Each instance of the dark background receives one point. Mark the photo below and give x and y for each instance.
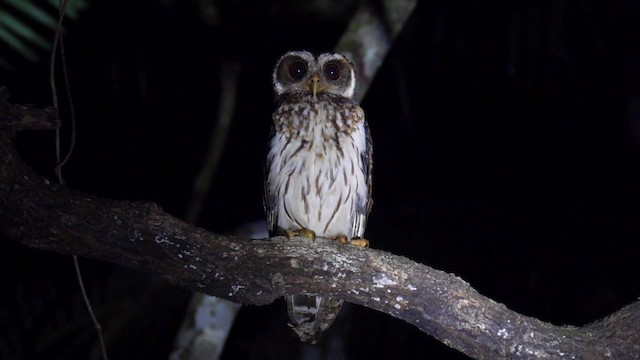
(506, 151)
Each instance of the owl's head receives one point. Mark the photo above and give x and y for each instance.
(300, 71)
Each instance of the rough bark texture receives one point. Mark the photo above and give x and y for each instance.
(141, 236)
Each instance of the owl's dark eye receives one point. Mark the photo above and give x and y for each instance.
(332, 71)
(297, 69)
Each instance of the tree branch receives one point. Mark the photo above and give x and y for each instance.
(48, 216)
(369, 36)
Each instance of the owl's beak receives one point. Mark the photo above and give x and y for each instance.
(314, 84)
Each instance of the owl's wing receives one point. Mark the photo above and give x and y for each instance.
(364, 204)
(268, 199)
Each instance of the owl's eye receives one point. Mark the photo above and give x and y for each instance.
(297, 69)
(332, 71)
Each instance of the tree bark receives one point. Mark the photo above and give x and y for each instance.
(48, 216)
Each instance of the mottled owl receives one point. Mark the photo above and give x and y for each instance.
(318, 170)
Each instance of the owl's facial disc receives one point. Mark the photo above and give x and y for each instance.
(300, 71)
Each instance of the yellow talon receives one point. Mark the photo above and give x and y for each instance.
(309, 234)
(360, 242)
(342, 239)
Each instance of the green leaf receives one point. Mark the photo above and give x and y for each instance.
(31, 10)
(17, 45)
(19, 28)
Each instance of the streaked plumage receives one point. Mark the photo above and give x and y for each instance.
(318, 174)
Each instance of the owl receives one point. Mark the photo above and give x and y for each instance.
(318, 170)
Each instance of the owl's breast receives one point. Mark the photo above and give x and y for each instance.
(323, 116)
(316, 172)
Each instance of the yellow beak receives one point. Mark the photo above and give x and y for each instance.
(314, 84)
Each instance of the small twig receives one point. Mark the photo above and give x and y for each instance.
(72, 116)
(61, 162)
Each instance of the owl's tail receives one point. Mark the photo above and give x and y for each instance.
(311, 315)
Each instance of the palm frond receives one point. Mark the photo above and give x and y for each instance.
(26, 25)
(17, 44)
(31, 10)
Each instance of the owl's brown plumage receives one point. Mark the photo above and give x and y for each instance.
(319, 164)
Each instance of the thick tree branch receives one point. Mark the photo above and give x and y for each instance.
(369, 36)
(141, 236)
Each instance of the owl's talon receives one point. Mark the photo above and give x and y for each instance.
(309, 234)
(342, 239)
(360, 242)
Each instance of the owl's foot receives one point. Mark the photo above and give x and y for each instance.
(360, 242)
(309, 234)
(342, 239)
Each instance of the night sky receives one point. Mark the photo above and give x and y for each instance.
(506, 151)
